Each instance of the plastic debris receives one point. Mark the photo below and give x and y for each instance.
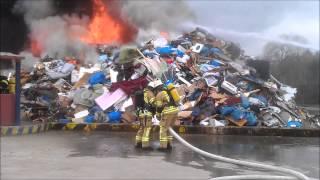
(215, 85)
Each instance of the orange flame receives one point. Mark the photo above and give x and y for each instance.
(165, 34)
(105, 29)
(35, 48)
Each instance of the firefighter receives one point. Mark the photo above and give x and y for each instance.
(167, 112)
(145, 113)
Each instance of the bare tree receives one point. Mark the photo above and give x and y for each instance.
(295, 66)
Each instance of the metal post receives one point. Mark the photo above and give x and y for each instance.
(18, 92)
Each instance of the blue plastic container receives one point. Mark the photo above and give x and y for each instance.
(114, 117)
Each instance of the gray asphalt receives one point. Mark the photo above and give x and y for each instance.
(111, 155)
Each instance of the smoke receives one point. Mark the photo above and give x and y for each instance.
(57, 36)
(152, 16)
(255, 23)
(33, 10)
(254, 42)
(29, 60)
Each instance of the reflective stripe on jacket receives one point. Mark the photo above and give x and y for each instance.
(148, 96)
(162, 99)
(162, 102)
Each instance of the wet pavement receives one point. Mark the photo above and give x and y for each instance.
(110, 155)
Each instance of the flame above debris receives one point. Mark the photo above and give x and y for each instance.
(35, 48)
(165, 35)
(104, 28)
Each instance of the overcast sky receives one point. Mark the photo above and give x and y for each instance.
(252, 23)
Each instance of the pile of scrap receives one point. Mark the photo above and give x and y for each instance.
(218, 84)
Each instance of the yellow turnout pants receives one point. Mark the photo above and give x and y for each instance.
(144, 132)
(167, 119)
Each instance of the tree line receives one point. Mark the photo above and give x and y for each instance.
(297, 67)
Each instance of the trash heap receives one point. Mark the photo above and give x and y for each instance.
(218, 85)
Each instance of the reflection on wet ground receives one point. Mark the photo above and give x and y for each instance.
(59, 152)
(292, 152)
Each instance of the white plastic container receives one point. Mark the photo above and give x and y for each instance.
(229, 87)
(197, 47)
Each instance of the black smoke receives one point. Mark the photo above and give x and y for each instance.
(14, 31)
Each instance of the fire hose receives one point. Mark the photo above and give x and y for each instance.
(294, 174)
